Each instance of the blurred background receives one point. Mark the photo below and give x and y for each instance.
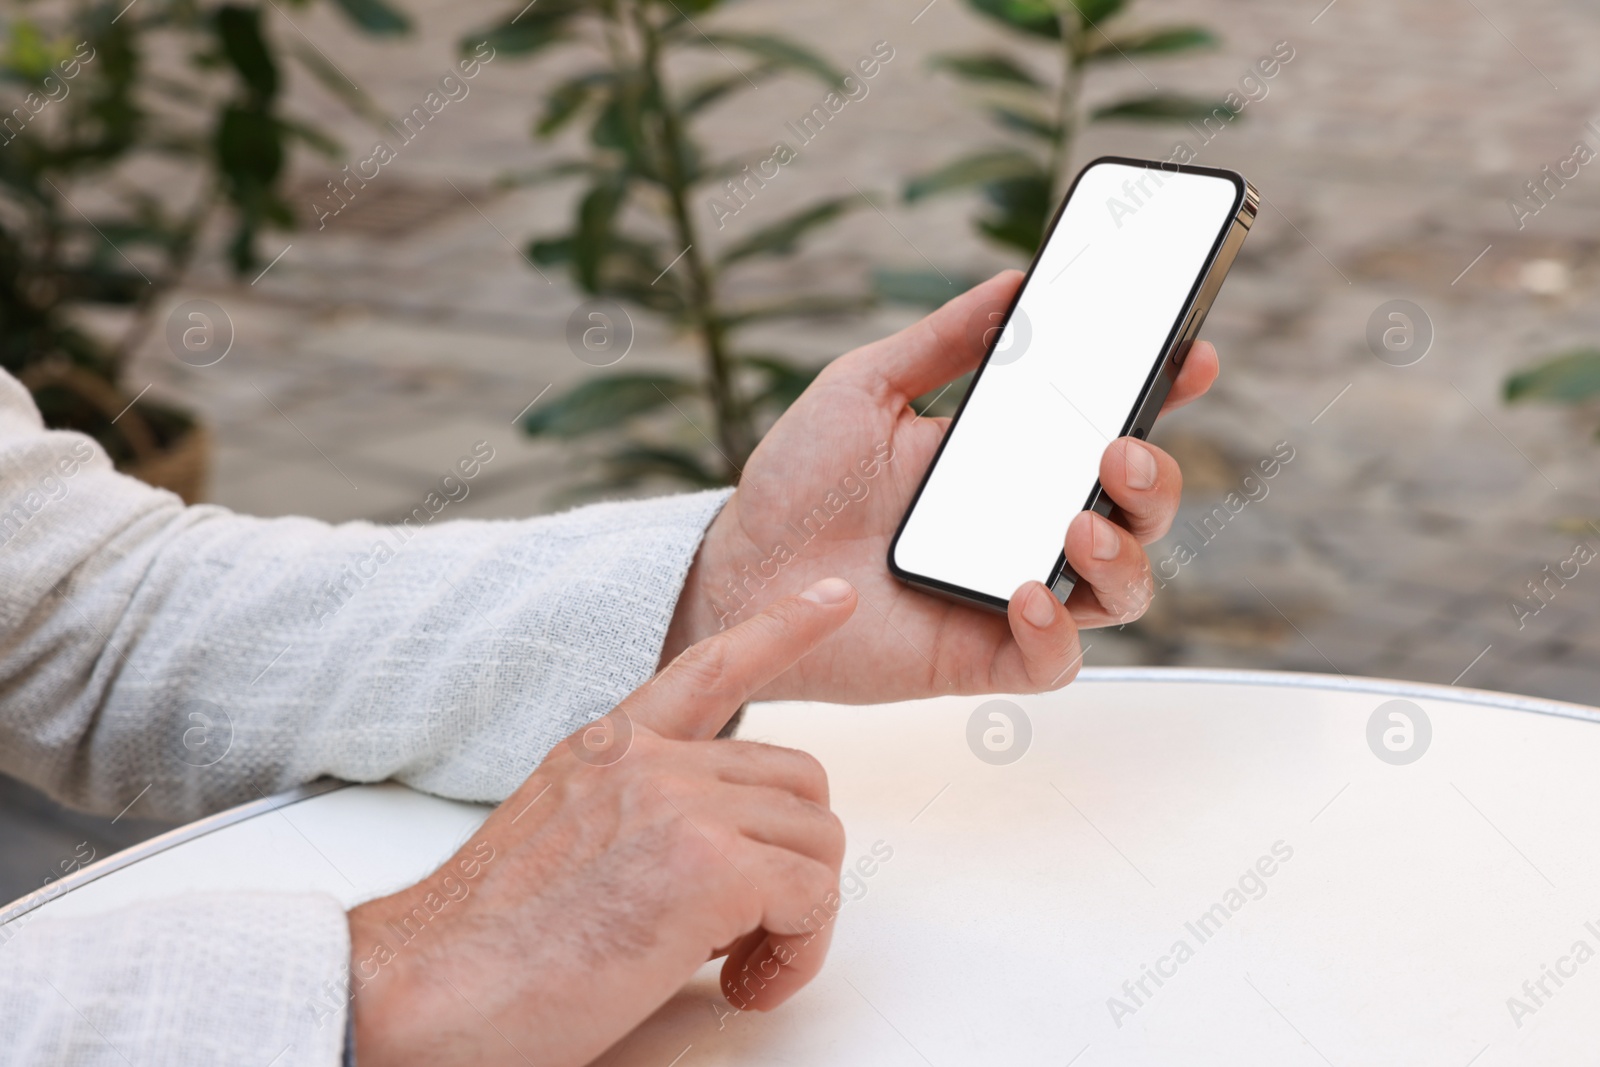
(299, 257)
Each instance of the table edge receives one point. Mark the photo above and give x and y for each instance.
(154, 846)
(1345, 683)
(1166, 675)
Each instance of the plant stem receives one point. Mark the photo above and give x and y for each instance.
(734, 432)
(1066, 100)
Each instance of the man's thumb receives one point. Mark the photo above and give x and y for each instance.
(948, 342)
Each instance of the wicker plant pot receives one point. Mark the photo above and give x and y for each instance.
(182, 466)
(177, 461)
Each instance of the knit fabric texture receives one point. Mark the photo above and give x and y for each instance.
(206, 979)
(195, 659)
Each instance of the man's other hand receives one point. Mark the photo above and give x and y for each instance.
(638, 850)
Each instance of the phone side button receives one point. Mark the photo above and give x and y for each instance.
(1186, 337)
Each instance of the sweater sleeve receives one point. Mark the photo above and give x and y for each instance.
(228, 978)
(195, 659)
(191, 659)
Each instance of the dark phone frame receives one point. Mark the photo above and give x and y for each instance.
(1164, 370)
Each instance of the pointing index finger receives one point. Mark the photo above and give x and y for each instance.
(697, 693)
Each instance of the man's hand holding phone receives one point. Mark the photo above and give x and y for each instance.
(771, 541)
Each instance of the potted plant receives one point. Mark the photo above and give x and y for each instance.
(86, 220)
(1042, 114)
(643, 236)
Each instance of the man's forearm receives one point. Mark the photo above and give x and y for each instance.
(201, 658)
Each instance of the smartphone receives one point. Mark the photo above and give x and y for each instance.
(1085, 354)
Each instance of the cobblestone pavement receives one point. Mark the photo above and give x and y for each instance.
(1417, 505)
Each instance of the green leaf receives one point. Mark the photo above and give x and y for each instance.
(783, 237)
(628, 271)
(782, 392)
(566, 168)
(315, 138)
(986, 67)
(801, 307)
(551, 251)
(776, 51)
(614, 128)
(785, 380)
(634, 274)
(596, 214)
(249, 149)
(175, 89)
(977, 169)
(920, 288)
(634, 463)
(1570, 378)
(1021, 210)
(567, 99)
(604, 403)
(1026, 122)
(706, 93)
(1164, 107)
(334, 80)
(1094, 12)
(532, 29)
(28, 56)
(943, 402)
(375, 17)
(239, 33)
(1035, 17)
(1151, 42)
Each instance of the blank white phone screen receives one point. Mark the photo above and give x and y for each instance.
(1065, 375)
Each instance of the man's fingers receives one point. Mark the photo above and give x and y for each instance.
(1045, 652)
(779, 818)
(698, 692)
(944, 345)
(1114, 582)
(754, 763)
(1145, 483)
(1199, 371)
(764, 969)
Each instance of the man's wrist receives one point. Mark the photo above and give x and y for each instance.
(696, 617)
(384, 1002)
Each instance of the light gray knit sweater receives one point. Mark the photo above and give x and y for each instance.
(450, 656)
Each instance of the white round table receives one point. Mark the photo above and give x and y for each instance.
(1182, 866)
